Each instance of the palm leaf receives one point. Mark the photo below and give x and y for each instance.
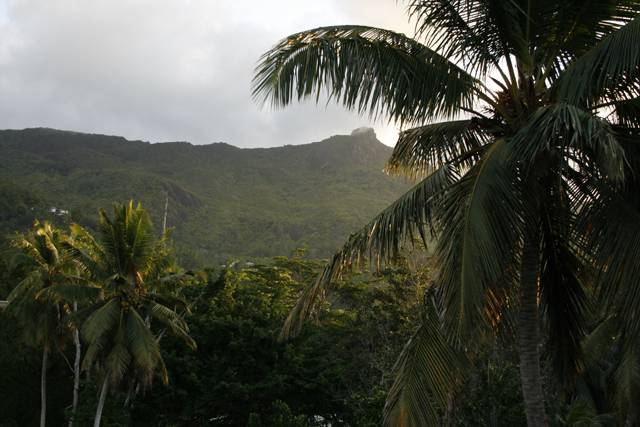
(142, 344)
(20, 258)
(565, 128)
(480, 241)
(478, 33)
(71, 292)
(428, 368)
(380, 239)
(612, 63)
(627, 377)
(370, 70)
(101, 320)
(610, 224)
(423, 149)
(565, 302)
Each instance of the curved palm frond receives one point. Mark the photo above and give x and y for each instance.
(568, 128)
(175, 324)
(423, 149)
(143, 346)
(627, 378)
(429, 367)
(478, 33)
(20, 258)
(612, 63)
(600, 340)
(627, 112)
(83, 294)
(610, 224)
(380, 239)
(101, 320)
(566, 295)
(371, 70)
(480, 242)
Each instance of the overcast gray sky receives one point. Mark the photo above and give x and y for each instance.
(168, 70)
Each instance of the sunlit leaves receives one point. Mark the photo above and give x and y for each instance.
(372, 71)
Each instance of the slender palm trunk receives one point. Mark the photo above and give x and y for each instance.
(43, 387)
(528, 331)
(103, 397)
(76, 371)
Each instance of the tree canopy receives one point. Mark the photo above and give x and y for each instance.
(521, 132)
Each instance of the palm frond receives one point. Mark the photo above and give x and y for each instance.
(25, 285)
(611, 225)
(627, 377)
(566, 128)
(478, 33)
(373, 71)
(380, 239)
(612, 63)
(429, 369)
(478, 249)
(175, 324)
(19, 258)
(71, 292)
(566, 294)
(142, 343)
(101, 320)
(600, 340)
(627, 112)
(423, 149)
(86, 263)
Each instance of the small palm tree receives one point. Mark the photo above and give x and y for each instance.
(524, 192)
(130, 270)
(42, 253)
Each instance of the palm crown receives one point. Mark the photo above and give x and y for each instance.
(521, 192)
(130, 269)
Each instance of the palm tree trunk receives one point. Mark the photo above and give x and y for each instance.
(103, 397)
(76, 371)
(43, 387)
(528, 330)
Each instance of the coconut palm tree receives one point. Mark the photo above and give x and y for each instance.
(43, 254)
(521, 132)
(130, 269)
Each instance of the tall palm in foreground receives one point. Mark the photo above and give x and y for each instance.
(43, 255)
(131, 272)
(522, 136)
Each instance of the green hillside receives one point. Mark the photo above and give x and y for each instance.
(224, 201)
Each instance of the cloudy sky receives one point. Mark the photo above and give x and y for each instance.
(168, 70)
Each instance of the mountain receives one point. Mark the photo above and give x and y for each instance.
(223, 201)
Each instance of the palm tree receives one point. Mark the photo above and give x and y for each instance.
(522, 122)
(131, 272)
(43, 254)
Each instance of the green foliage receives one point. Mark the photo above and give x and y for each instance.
(224, 202)
(239, 367)
(278, 416)
(113, 414)
(20, 379)
(492, 393)
(20, 205)
(534, 195)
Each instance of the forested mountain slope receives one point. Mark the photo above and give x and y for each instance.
(224, 201)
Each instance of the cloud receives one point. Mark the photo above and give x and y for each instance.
(165, 70)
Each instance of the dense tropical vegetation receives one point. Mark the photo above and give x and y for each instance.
(336, 372)
(522, 133)
(225, 201)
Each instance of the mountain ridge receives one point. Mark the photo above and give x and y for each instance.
(224, 201)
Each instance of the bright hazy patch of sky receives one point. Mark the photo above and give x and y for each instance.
(168, 70)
